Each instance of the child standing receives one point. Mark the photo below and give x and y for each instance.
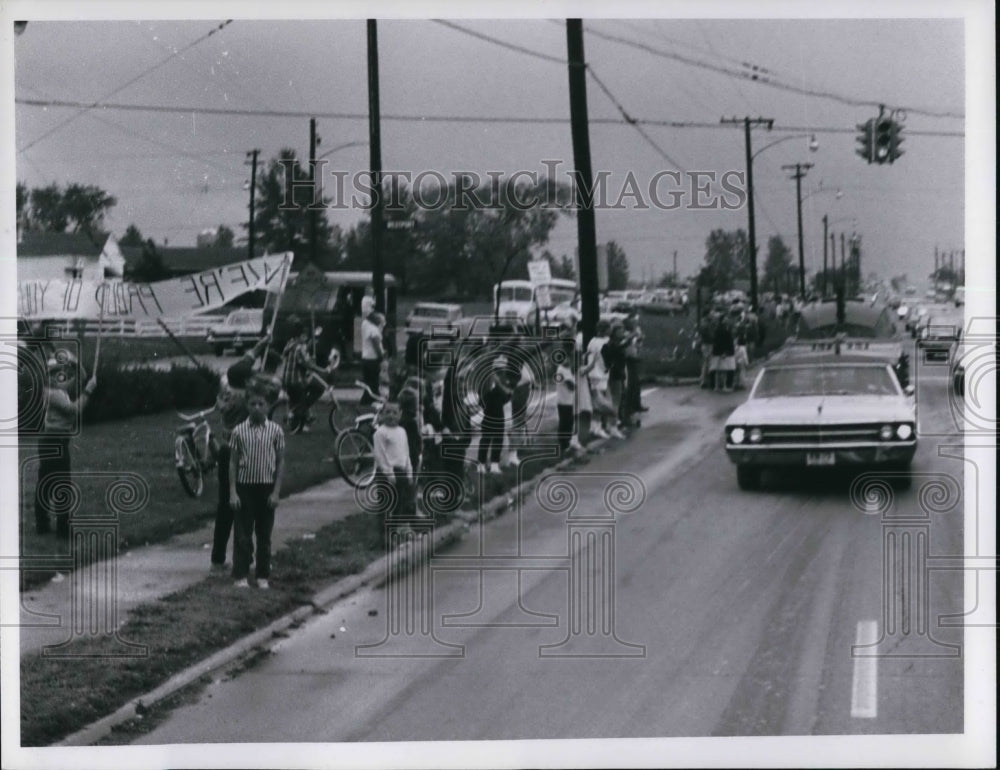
(256, 467)
(565, 397)
(392, 459)
(493, 397)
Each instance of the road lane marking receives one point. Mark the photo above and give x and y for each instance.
(864, 688)
(647, 391)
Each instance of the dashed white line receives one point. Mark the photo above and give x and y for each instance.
(864, 687)
(647, 391)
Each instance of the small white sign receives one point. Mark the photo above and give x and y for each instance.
(539, 271)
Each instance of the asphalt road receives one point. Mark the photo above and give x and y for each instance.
(709, 612)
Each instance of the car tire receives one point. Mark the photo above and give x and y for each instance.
(748, 477)
(219, 350)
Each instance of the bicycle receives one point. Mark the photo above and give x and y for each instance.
(354, 448)
(195, 451)
(281, 411)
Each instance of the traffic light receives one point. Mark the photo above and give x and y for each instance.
(883, 140)
(895, 139)
(866, 139)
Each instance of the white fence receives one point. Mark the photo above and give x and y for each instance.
(192, 326)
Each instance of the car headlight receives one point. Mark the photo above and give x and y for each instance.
(736, 435)
(904, 431)
(886, 433)
(755, 435)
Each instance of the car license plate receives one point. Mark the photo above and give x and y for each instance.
(820, 458)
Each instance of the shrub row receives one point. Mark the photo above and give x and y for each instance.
(124, 392)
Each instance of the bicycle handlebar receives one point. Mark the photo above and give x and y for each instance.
(369, 391)
(196, 416)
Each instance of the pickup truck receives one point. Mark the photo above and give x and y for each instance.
(239, 330)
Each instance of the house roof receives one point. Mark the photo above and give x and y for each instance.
(39, 243)
(189, 258)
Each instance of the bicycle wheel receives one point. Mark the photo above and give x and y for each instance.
(355, 457)
(188, 469)
(338, 419)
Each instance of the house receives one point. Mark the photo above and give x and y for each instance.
(48, 255)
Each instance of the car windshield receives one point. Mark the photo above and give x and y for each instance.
(559, 296)
(430, 312)
(840, 380)
(515, 294)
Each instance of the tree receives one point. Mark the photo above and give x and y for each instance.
(560, 267)
(132, 237)
(617, 267)
(150, 265)
(779, 260)
(85, 207)
(224, 238)
(725, 260)
(47, 211)
(81, 207)
(279, 227)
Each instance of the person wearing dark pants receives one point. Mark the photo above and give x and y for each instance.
(256, 466)
(62, 419)
(231, 404)
(372, 353)
(494, 395)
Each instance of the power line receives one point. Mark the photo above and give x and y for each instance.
(631, 121)
(761, 76)
(125, 85)
(241, 112)
(499, 42)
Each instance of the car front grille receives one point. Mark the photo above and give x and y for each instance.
(815, 434)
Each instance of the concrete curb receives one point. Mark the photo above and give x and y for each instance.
(375, 574)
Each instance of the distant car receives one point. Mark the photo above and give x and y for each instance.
(825, 410)
(959, 296)
(940, 335)
(437, 319)
(239, 330)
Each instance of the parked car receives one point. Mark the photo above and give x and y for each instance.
(940, 335)
(437, 319)
(239, 330)
(826, 410)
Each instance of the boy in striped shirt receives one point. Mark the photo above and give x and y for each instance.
(256, 466)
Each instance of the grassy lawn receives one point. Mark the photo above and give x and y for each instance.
(144, 445)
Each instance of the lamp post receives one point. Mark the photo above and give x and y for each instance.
(747, 123)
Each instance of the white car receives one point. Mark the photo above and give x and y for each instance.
(825, 411)
(437, 319)
(239, 330)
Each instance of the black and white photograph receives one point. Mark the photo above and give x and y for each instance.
(526, 385)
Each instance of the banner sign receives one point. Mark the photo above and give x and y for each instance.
(59, 299)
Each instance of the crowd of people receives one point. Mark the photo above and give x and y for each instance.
(727, 343)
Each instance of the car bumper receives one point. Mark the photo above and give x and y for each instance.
(879, 454)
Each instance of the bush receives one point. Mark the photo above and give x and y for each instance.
(123, 392)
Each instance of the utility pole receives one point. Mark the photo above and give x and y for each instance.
(800, 172)
(825, 225)
(586, 225)
(675, 267)
(747, 122)
(375, 145)
(934, 274)
(252, 154)
(313, 213)
(843, 258)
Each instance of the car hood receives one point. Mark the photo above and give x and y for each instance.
(823, 410)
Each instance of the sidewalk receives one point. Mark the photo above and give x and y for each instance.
(145, 574)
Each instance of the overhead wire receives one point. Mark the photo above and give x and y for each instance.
(126, 84)
(243, 112)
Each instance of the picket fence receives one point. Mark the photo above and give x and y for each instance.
(192, 326)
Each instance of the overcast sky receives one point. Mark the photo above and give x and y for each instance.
(175, 174)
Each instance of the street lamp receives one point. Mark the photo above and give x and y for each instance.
(813, 147)
(330, 152)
